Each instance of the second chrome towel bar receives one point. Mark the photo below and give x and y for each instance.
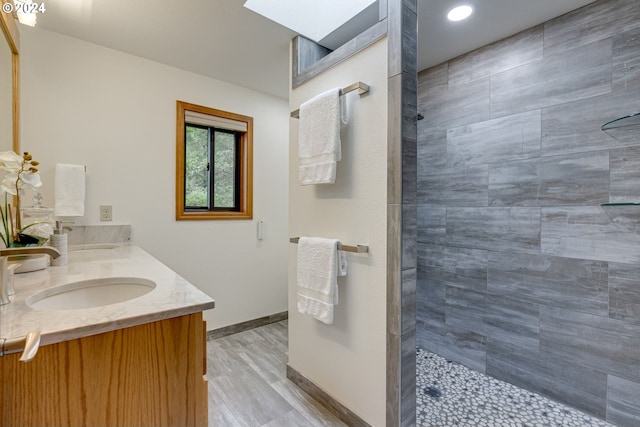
(362, 88)
(360, 249)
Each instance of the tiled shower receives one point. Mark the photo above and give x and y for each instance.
(523, 273)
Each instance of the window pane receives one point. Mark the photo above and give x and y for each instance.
(224, 170)
(197, 181)
(196, 192)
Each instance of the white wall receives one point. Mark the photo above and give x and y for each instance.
(115, 113)
(347, 358)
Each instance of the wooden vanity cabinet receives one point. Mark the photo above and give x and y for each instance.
(148, 375)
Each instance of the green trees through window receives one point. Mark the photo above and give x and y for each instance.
(214, 152)
(210, 168)
(224, 170)
(196, 168)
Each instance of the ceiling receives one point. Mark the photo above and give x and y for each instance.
(223, 40)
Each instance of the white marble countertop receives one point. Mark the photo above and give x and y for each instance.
(173, 296)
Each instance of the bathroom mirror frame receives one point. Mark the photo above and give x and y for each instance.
(12, 38)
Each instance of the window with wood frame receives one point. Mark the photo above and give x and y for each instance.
(214, 158)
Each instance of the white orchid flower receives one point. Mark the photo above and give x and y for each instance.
(20, 171)
(31, 178)
(10, 161)
(13, 163)
(8, 184)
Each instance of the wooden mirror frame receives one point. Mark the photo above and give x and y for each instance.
(10, 31)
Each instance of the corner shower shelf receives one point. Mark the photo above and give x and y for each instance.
(630, 120)
(626, 121)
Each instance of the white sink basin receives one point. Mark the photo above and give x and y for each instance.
(90, 293)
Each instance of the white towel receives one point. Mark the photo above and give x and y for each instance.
(319, 146)
(69, 190)
(319, 264)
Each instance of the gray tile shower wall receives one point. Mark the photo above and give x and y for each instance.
(402, 216)
(521, 273)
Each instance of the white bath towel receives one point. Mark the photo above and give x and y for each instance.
(319, 146)
(69, 190)
(319, 263)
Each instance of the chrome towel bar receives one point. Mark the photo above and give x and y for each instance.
(362, 88)
(360, 249)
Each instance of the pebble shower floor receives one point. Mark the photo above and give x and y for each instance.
(449, 394)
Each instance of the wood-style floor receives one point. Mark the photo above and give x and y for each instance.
(248, 384)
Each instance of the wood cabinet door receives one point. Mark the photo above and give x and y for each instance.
(147, 375)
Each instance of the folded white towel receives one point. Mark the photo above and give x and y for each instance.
(319, 264)
(69, 190)
(319, 146)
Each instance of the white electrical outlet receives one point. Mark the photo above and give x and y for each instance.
(106, 213)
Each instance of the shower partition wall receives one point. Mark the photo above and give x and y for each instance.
(522, 273)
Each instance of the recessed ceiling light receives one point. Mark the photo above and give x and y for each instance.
(459, 13)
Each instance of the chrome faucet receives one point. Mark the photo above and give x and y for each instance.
(4, 265)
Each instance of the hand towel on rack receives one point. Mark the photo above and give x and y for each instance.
(319, 146)
(69, 190)
(319, 263)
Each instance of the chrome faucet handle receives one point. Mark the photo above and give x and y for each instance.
(30, 250)
(6, 286)
(28, 345)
